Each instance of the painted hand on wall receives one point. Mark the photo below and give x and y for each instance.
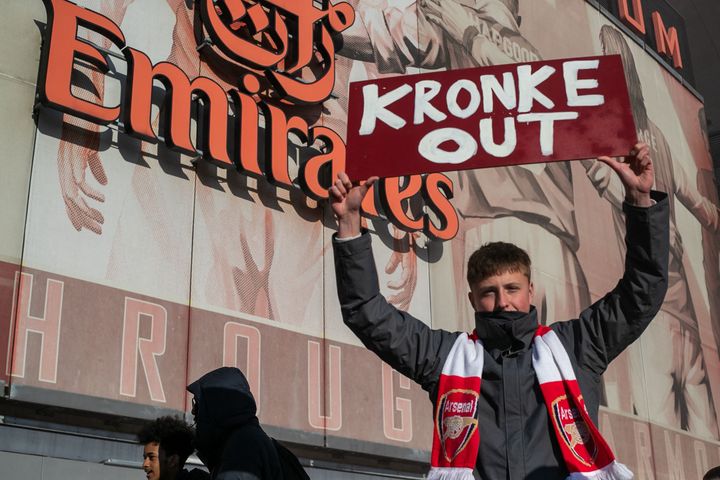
(451, 16)
(252, 280)
(78, 154)
(80, 141)
(487, 29)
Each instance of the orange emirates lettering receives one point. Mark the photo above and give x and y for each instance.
(238, 146)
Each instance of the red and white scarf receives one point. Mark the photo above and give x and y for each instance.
(456, 435)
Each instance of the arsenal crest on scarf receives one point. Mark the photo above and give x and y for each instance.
(457, 437)
(574, 431)
(456, 421)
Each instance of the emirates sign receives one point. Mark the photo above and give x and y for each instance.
(282, 54)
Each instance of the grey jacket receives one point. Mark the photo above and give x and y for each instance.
(516, 437)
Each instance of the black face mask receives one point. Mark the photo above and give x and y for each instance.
(506, 330)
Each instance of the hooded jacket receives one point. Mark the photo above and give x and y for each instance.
(192, 474)
(516, 437)
(229, 439)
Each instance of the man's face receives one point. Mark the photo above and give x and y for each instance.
(157, 465)
(151, 460)
(194, 410)
(505, 292)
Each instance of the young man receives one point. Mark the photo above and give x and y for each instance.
(167, 443)
(515, 400)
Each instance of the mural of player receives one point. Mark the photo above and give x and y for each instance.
(235, 275)
(710, 240)
(79, 161)
(430, 34)
(118, 190)
(533, 202)
(680, 393)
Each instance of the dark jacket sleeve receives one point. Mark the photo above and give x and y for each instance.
(248, 454)
(612, 323)
(399, 339)
(193, 474)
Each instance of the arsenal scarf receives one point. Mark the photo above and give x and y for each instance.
(456, 435)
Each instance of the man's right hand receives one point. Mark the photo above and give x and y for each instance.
(637, 174)
(345, 201)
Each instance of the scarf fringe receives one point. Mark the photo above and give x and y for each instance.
(449, 473)
(613, 471)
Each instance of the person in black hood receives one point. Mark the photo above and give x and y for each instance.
(522, 397)
(229, 439)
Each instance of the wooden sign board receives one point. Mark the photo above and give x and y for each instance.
(487, 117)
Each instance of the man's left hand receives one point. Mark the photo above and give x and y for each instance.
(637, 174)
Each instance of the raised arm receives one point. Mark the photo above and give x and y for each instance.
(398, 338)
(612, 323)
(489, 31)
(394, 37)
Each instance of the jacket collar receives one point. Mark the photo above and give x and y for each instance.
(506, 331)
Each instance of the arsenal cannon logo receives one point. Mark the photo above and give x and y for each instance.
(456, 421)
(574, 431)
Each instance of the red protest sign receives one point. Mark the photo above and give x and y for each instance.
(486, 117)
